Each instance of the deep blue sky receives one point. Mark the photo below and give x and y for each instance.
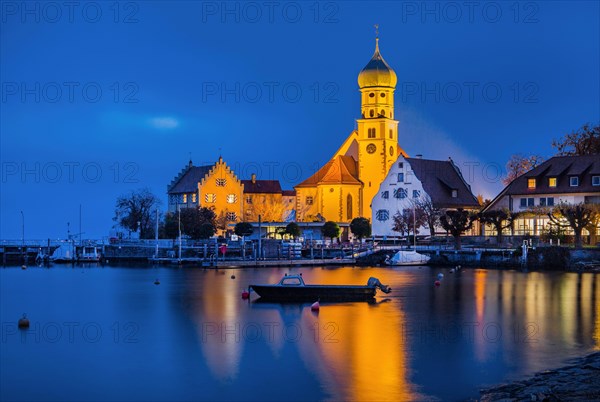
(162, 68)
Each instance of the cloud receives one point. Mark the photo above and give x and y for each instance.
(164, 123)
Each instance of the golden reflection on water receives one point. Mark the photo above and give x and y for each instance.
(360, 348)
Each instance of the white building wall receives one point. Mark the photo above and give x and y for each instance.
(392, 204)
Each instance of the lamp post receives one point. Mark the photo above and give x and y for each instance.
(23, 234)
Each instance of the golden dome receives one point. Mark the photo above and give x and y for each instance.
(377, 73)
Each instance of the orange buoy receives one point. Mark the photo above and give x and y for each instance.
(245, 295)
(24, 322)
(437, 283)
(315, 306)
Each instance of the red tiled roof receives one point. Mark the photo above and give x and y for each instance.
(340, 170)
(261, 187)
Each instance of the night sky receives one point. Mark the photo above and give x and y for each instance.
(103, 98)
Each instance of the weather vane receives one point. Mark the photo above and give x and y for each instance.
(376, 30)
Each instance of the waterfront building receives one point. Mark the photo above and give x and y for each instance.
(414, 179)
(217, 187)
(344, 187)
(561, 179)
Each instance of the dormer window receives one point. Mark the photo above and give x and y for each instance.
(595, 180)
(454, 193)
(552, 182)
(574, 181)
(531, 183)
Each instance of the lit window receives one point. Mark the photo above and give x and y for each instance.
(550, 201)
(530, 202)
(400, 177)
(385, 195)
(530, 183)
(523, 202)
(552, 182)
(595, 180)
(248, 199)
(416, 193)
(454, 193)
(231, 198)
(574, 181)
(382, 215)
(400, 193)
(185, 198)
(194, 198)
(309, 200)
(231, 216)
(210, 198)
(221, 182)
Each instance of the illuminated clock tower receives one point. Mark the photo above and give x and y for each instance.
(377, 130)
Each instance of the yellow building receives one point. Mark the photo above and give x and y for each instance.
(344, 187)
(211, 186)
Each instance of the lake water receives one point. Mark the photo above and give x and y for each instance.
(109, 333)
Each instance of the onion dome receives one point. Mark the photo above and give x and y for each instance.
(377, 73)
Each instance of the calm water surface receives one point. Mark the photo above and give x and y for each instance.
(111, 334)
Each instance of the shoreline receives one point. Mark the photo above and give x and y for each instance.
(579, 381)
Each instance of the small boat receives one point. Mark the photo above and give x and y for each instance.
(293, 289)
(407, 257)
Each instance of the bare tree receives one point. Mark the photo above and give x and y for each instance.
(456, 222)
(576, 217)
(500, 220)
(583, 141)
(270, 207)
(136, 211)
(430, 212)
(518, 165)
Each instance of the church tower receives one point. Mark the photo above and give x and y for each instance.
(377, 130)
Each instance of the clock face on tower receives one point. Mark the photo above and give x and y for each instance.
(371, 148)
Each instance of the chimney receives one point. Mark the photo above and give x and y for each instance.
(253, 178)
(419, 156)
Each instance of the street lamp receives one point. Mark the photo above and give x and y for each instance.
(23, 232)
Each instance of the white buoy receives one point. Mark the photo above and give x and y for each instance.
(440, 276)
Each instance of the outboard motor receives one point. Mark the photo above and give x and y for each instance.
(375, 282)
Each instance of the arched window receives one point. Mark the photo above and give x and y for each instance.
(349, 207)
(383, 112)
(371, 113)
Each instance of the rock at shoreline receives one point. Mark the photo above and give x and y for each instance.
(578, 382)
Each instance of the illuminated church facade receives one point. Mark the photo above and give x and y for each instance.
(345, 186)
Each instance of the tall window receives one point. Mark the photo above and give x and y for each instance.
(185, 198)
(382, 215)
(552, 182)
(194, 198)
(574, 181)
(309, 200)
(542, 202)
(400, 193)
(349, 207)
(248, 199)
(210, 198)
(400, 177)
(550, 201)
(454, 193)
(221, 182)
(391, 133)
(530, 202)
(416, 193)
(231, 198)
(371, 133)
(523, 203)
(595, 180)
(530, 183)
(231, 216)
